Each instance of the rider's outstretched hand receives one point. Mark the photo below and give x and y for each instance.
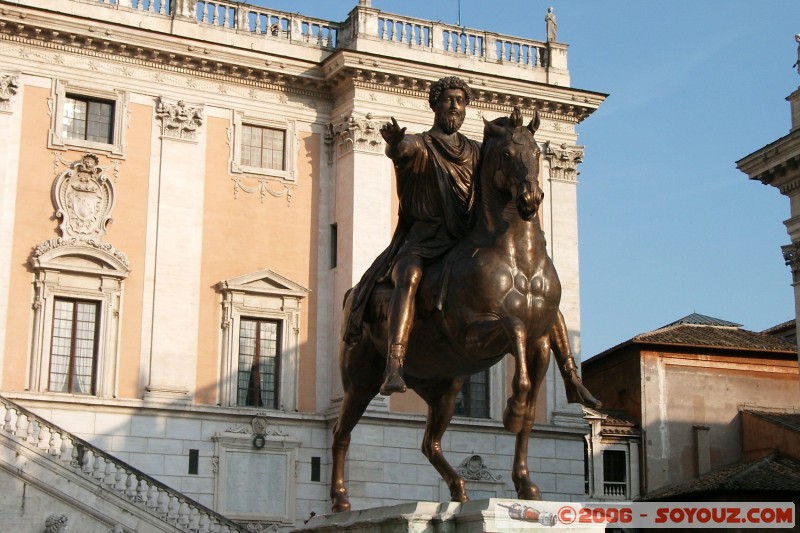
(392, 133)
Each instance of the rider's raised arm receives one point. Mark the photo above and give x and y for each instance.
(399, 146)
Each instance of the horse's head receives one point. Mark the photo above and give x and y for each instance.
(511, 157)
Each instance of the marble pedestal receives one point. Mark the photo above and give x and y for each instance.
(479, 516)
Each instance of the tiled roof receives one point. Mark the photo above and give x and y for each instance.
(698, 330)
(618, 423)
(716, 337)
(703, 320)
(775, 472)
(789, 324)
(790, 421)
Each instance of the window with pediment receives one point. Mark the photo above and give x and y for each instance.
(260, 340)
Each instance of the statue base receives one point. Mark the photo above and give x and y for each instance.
(478, 516)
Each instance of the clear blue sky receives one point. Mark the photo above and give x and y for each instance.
(668, 225)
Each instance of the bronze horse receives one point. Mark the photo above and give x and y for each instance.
(501, 295)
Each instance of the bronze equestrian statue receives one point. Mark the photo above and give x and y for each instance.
(494, 291)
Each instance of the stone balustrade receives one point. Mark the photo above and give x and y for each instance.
(455, 40)
(160, 7)
(363, 22)
(111, 474)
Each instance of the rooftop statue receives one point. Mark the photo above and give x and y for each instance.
(797, 63)
(465, 281)
(552, 27)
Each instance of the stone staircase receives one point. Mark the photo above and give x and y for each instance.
(48, 474)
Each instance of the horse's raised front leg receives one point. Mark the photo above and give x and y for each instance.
(575, 389)
(538, 360)
(440, 396)
(495, 335)
(361, 379)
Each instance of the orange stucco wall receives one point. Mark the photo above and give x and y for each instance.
(127, 233)
(34, 222)
(243, 235)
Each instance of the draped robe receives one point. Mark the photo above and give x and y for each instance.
(437, 194)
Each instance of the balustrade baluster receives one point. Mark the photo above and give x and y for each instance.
(29, 431)
(21, 429)
(384, 32)
(257, 28)
(130, 485)
(6, 418)
(403, 34)
(64, 452)
(86, 461)
(99, 467)
(52, 448)
(152, 496)
(162, 9)
(163, 503)
(183, 513)
(204, 524)
(108, 474)
(194, 519)
(172, 515)
(141, 491)
(151, 8)
(119, 480)
(226, 23)
(215, 19)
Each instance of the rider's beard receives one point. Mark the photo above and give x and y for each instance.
(451, 121)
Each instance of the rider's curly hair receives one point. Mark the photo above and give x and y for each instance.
(450, 82)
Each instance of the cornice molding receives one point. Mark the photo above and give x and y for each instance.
(194, 61)
(483, 98)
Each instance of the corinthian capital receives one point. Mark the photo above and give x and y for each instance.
(356, 132)
(791, 254)
(563, 160)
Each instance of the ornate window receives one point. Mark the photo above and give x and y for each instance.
(73, 353)
(262, 147)
(86, 117)
(78, 282)
(259, 363)
(260, 340)
(473, 399)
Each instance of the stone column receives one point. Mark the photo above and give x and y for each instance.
(363, 204)
(178, 246)
(9, 154)
(791, 254)
(561, 227)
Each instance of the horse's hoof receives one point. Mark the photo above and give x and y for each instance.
(458, 492)
(393, 384)
(514, 416)
(529, 491)
(578, 393)
(340, 504)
